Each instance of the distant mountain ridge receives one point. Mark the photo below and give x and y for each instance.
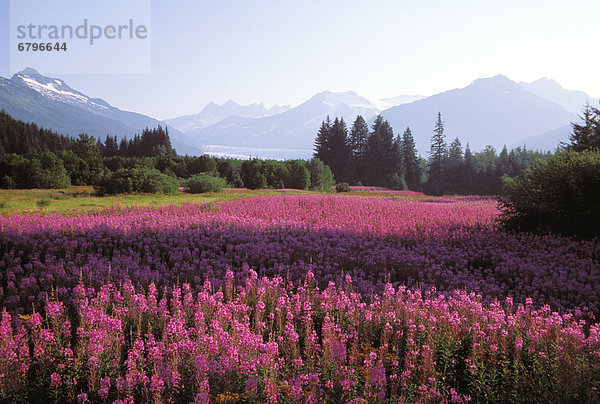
(293, 129)
(213, 113)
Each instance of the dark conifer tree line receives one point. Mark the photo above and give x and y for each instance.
(27, 139)
(32, 157)
(375, 156)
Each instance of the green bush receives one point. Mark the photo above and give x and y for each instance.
(205, 183)
(7, 182)
(137, 180)
(321, 178)
(43, 202)
(342, 187)
(560, 195)
(42, 171)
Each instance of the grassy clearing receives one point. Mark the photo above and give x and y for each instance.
(79, 198)
(83, 198)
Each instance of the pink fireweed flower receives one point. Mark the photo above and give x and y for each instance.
(55, 380)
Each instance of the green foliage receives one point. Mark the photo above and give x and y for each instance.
(396, 181)
(137, 180)
(274, 172)
(321, 177)
(231, 173)
(560, 195)
(202, 164)
(378, 158)
(298, 177)
(410, 161)
(205, 183)
(382, 155)
(151, 143)
(586, 135)
(252, 176)
(43, 202)
(342, 187)
(335, 148)
(437, 155)
(88, 166)
(7, 182)
(46, 171)
(27, 138)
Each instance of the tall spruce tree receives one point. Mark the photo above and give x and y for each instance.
(410, 161)
(437, 154)
(380, 157)
(587, 135)
(357, 141)
(468, 172)
(339, 152)
(452, 167)
(322, 141)
(111, 146)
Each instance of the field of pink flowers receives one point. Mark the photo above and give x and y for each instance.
(296, 298)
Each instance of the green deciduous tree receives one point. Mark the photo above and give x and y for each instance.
(321, 177)
(299, 176)
(561, 194)
(252, 176)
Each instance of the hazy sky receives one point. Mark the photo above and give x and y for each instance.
(283, 52)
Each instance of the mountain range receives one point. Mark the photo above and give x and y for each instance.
(213, 113)
(492, 111)
(52, 104)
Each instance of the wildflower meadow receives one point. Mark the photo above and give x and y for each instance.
(296, 298)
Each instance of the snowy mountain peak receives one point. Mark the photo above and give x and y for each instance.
(350, 98)
(56, 89)
(213, 113)
(385, 103)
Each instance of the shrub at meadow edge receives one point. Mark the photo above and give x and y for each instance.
(201, 183)
(560, 195)
(342, 187)
(137, 180)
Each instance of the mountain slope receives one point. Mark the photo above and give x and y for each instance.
(494, 111)
(548, 89)
(51, 103)
(546, 141)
